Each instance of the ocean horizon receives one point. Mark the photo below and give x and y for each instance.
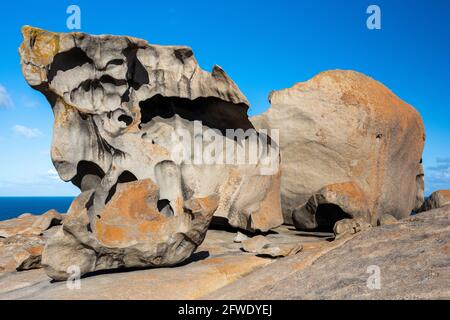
(12, 207)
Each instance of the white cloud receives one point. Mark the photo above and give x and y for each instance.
(5, 99)
(45, 152)
(52, 174)
(438, 176)
(29, 102)
(27, 132)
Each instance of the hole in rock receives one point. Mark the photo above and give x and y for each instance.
(108, 79)
(126, 119)
(115, 62)
(222, 224)
(183, 54)
(85, 168)
(124, 177)
(90, 84)
(164, 207)
(327, 215)
(136, 73)
(54, 223)
(213, 112)
(67, 60)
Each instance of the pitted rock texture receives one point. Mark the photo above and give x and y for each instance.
(128, 232)
(349, 148)
(120, 107)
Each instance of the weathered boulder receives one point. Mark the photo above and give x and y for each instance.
(387, 219)
(349, 148)
(46, 221)
(20, 252)
(129, 231)
(240, 237)
(29, 258)
(436, 200)
(19, 225)
(143, 126)
(270, 247)
(29, 224)
(22, 239)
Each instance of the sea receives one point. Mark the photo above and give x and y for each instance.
(12, 207)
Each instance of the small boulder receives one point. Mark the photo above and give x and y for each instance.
(350, 226)
(46, 221)
(19, 225)
(387, 219)
(29, 224)
(20, 252)
(264, 246)
(29, 258)
(255, 244)
(240, 237)
(437, 199)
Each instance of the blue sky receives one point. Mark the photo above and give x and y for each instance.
(263, 45)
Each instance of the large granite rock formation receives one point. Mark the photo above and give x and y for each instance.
(145, 134)
(349, 148)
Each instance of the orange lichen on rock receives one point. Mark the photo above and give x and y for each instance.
(130, 218)
(43, 45)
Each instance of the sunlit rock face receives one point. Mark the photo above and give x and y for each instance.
(146, 135)
(350, 148)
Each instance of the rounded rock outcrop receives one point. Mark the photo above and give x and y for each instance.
(342, 127)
